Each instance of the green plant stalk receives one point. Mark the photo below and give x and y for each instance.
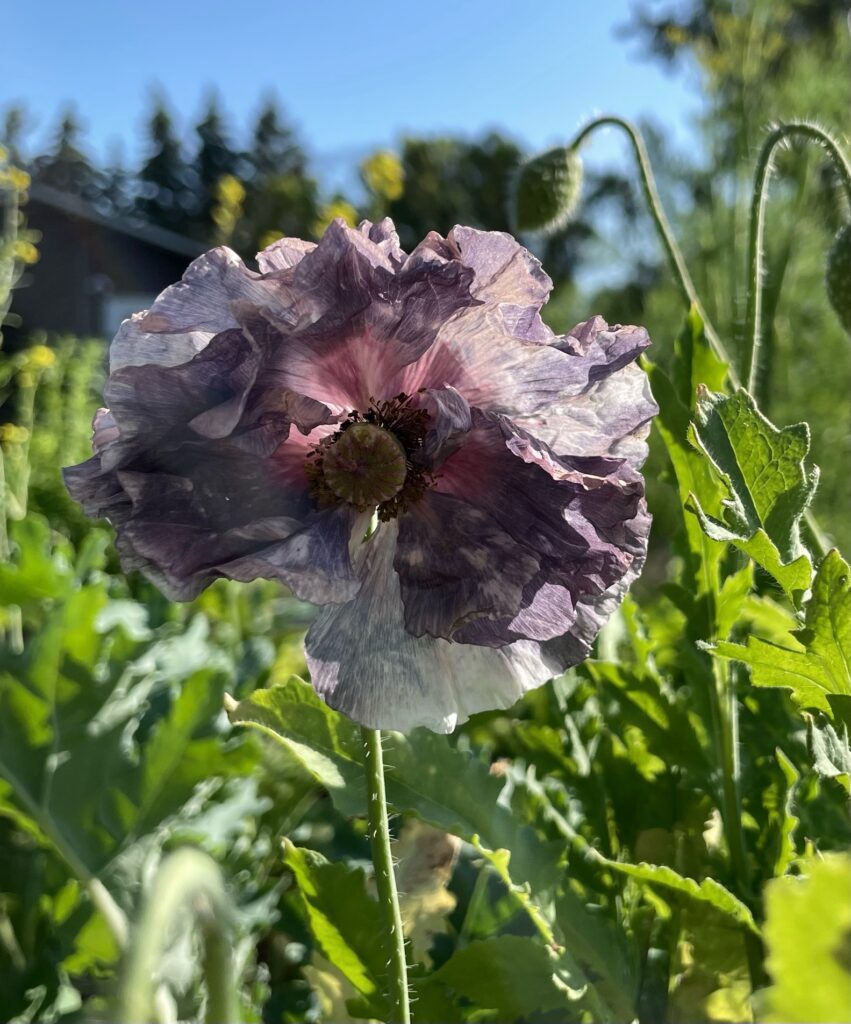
(818, 540)
(756, 227)
(724, 710)
(188, 880)
(385, 879)
(102, 899)
(663, 226)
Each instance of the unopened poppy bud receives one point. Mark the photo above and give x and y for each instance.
(838, 276)
(547, 190)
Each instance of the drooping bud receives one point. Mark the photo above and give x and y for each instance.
(547, 189)
(838, 276)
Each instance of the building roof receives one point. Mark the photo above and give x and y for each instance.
(149, 233)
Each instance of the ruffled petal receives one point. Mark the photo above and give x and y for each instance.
(449, 420)
(571, 516)
(364, 662)
(373, 316)
(506, 276)
(196, 514)
(594, 610)
(188, 314)
(456, 563)
(476, 355)
(283, 254)
(612, 417)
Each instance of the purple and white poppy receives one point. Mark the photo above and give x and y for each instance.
(259, 422)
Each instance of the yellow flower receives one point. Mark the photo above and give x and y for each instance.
(25, 252)
(384, 174)
(330, 211)
(230, 191)
(11, 433)
(40, 357)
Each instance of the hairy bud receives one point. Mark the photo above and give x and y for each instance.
(838, 276)
(547, 189)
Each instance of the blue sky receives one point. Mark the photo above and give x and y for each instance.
(351, 75)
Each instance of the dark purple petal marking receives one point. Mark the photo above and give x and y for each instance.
(565, 517)
(456, 563)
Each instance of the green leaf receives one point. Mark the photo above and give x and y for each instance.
(36, 573)
(344, 919)
(817, 663)
(70, 774)
(694, 476)
(769, 487)
(417, 767)
(831, 752)
(808, 935)
(708, 891)
(513, 976)
(695, 363)
(327, 744)
(787, 822)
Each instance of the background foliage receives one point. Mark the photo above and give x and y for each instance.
(650, 835)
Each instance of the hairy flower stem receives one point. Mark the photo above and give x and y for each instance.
(188, 881)
(385, 879)
(756, 228)
(818, 540)
(723, 706)
(663, 226)
(724, 712)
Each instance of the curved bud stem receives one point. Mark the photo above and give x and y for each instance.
(187, 881)
(385, 879)
(756, 227)
(663, 227)
(817, 538)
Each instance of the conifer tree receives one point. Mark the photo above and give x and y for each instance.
(215, 159)
(65, 166)
(275, 149)
(166, 193)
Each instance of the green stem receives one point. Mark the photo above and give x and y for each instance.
(188, 880)
(385, 879)
(663, 226)
(724, 711)
(756, 227)
(678, 265)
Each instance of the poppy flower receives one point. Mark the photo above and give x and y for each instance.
(259, 423)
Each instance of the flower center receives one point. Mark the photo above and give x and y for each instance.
(374, 461)
(365, 466)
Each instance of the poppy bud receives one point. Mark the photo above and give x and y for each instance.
(547, 189)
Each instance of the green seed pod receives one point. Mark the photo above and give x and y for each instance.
(546, 190)
(838, 276)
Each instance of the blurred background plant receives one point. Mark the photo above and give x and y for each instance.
(115, 750)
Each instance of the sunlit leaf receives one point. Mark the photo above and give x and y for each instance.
(768, 485)
(707, 891)
(344, 919)
(808, 935)
(513, 976)
(417, 766)
(831, 751)
(816, 663)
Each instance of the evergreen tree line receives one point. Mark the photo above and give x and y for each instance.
(215, 190)
(179, 186)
